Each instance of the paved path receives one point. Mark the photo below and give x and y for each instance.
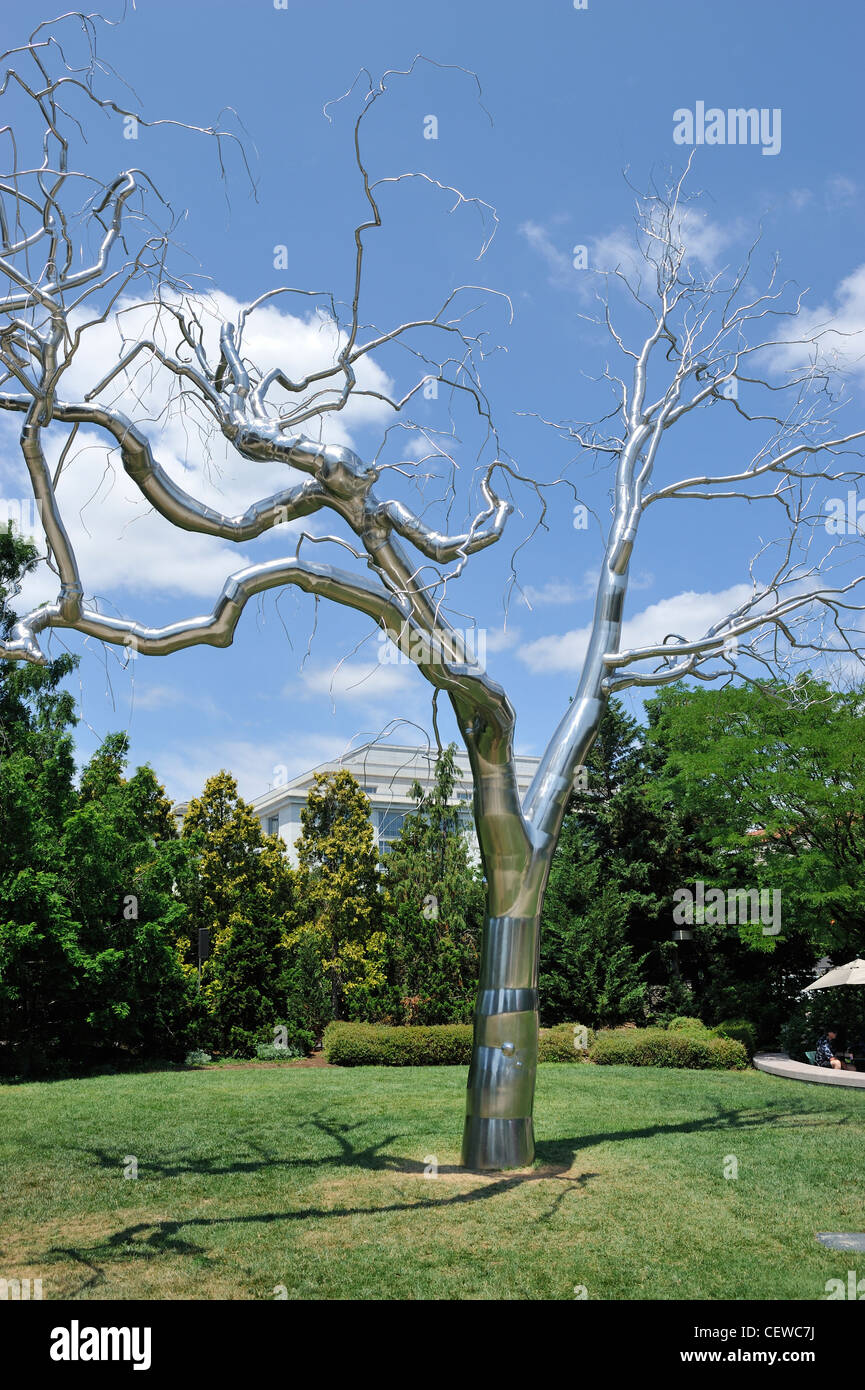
(779, 1064)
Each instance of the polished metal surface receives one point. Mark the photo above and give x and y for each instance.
(493, 1143)
(501, 1081)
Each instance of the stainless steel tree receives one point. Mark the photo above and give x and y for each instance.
(74, 243)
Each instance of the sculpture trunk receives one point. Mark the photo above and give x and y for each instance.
(517, 836)
(498, 1126)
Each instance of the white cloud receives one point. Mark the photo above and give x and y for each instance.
(559, 264)
(688, 613)
(357, 682)
(704, 241)
(553, 592)
(618, 249)
(149, 697)
(123, 547)
(841, 192)
(840, 326)
(496, 639)
(564, 591)
(256, 765)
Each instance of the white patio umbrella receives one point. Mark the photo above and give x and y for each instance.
(853, 973)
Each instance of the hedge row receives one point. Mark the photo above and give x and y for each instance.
(562, 1043)
(380, 1045)
(437, 1045)
(442, 1045)
(659, 1047)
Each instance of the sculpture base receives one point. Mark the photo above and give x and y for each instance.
(494, 1143)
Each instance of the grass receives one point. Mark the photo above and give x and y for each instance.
(314, 1180)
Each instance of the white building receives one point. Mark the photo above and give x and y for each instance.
(386, 772)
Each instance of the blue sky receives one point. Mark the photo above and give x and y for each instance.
(576, 98)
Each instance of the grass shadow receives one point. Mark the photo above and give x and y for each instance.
(554, 1163)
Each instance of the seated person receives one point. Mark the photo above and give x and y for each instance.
(825, 1050)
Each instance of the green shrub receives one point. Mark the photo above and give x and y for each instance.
(197, 1058)
(661, 1047)
(558, 1044)
(727, 1054)
(271, 1052)
(378, 1045)
(685, 1024)
(432, 1045)
(740, 1029)
(284, 1040)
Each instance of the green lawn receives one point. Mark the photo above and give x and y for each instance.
(314, 1179)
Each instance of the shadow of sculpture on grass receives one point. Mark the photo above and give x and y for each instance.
(554, 1163)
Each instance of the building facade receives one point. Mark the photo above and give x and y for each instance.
(386, 773)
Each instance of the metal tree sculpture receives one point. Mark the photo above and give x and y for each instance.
(696, 347)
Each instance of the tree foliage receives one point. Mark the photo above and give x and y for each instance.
(88, 912)
(776, 776)
(763, 787)
(338, 906)
(606, 888)
(239, 889)
(434, 906)
(101, 901)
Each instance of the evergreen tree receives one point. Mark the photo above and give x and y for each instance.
(240, 890)
(604, 899)
(589, 972)
(88, 917)
(308, 990)
(121, 849)
(338, 909)
(434, 898)
(37, 935)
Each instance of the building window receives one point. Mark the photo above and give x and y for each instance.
(389, 825)
(273, 825)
